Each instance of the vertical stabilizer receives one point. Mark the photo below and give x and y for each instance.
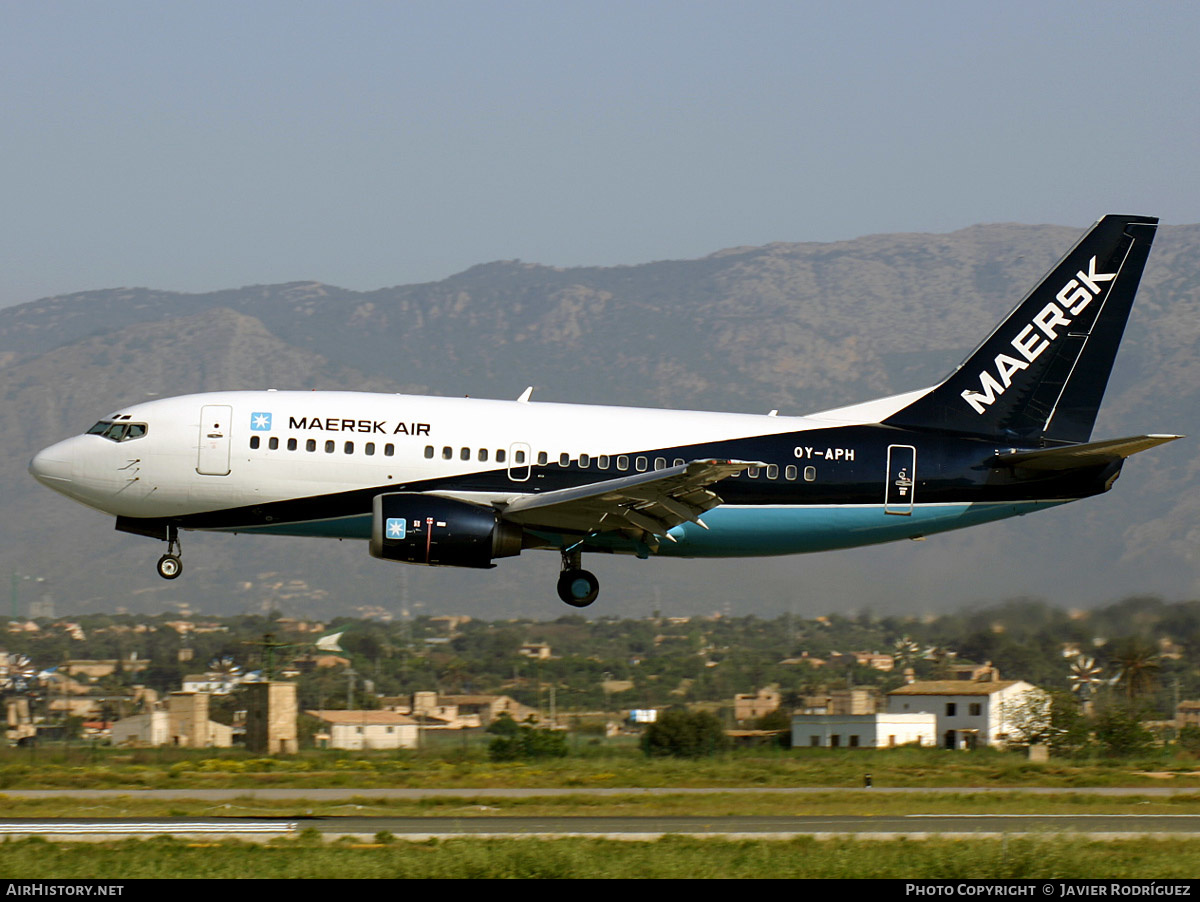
(1042, 373)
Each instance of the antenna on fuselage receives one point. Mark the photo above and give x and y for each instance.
(524, 399)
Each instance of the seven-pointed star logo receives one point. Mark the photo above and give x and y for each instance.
(395, 528)
(260, 422)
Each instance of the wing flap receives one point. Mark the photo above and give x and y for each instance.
(651, 503)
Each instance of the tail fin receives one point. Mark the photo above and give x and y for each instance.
(1043, 372)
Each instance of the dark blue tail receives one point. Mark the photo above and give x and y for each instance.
(1041, 375)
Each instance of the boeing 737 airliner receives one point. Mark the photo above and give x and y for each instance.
(461, 482)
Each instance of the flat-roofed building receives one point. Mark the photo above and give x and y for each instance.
(869, 731)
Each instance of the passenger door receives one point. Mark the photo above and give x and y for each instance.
(215, 423)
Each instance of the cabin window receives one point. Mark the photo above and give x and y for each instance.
(389, 450)
(483, 454)
(790, 473)
(348, 448)
(660, 463)
(772, 471)
(464, 454)
(564, 460)
(369, 448)
(329, 446)
(501, 454)
(678, 462)
(753, 472)
(602, 462)
(429, 452)
(810, 474)
(519, 457)
(291, 444)
(543, 457)
(585, 460)
(273, 444)
(641, 463)
(310, 445)
(622, 462)
(254, 442)
(447, 453)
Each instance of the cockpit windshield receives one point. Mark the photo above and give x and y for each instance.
(119, 432)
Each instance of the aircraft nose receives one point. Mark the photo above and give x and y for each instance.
(52, 467)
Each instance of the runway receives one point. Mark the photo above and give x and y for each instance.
(912, 826)
(482, 823)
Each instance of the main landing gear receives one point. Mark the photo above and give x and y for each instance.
(576, 586)
(169, 565)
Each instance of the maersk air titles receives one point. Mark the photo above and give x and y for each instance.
(464, 482)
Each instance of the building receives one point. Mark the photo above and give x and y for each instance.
(871, 731)
(460, 711)
(969, 712)
(752, 707)
(859, 700)
(359, 730)
(872, 659)
(1187, 712)
(271, 718)
(184, 722)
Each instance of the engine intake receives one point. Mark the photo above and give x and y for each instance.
(428, 529)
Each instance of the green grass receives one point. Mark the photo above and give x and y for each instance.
(620, 768)
(670, 857)
(714, 804)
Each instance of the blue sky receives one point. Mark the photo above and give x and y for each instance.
(203, 145)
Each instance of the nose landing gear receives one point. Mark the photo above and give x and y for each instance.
(169, 565)
(576, 586)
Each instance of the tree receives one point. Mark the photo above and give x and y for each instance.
(684, 734)
(528, 743)
(1028, 719)
(1120, 732)
(504, 725)
(1137, 664)
(780, 721)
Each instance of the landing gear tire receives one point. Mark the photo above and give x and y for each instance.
(578, 588)
(169, 566)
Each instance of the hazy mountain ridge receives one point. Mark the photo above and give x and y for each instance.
(798, 327)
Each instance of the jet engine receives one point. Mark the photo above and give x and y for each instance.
(428, 529)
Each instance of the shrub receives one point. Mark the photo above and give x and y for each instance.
(684, 734)
(528, 743)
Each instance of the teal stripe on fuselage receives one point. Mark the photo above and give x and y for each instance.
(756, 531)
(748, 531)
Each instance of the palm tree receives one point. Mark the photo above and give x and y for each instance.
(1136, 660)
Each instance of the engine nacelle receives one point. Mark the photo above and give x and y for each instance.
(427, 529)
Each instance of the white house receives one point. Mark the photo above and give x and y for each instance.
(969, 712)
(366, 730)
(155, 728)
(872, 731)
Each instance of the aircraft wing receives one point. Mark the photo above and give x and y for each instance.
(652, 502)
(1069, 457)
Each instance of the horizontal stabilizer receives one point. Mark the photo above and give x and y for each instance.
(1071, 457)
